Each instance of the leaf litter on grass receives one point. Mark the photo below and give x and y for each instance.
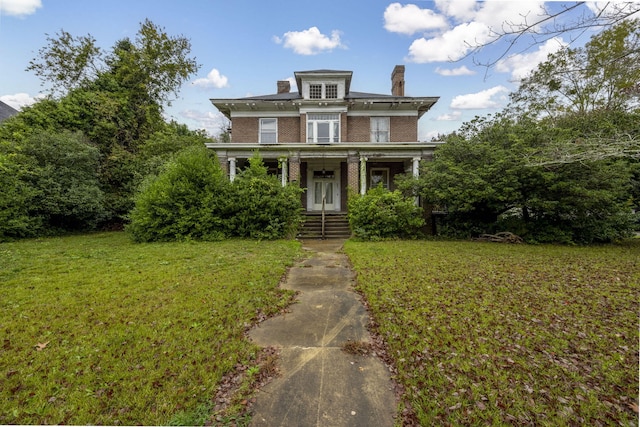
(485, 334)
(98, 330)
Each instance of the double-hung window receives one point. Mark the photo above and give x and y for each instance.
(268, 131)
(323, 128)
(380, 129)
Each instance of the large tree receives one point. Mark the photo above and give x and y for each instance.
(561, 163)
(483, 177)
(602, 75)
(113, 100)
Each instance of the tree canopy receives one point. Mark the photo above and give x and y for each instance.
(561, 163)
(109, 104)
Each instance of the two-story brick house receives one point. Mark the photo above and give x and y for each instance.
(327, 137)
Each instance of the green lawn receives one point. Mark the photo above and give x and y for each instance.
(97, 330)
(494, 334)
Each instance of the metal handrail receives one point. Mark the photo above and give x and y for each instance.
(323, 203)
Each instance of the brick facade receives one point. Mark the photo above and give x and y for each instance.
(358, 129)
(352, 128)
(404, 129)
(245, 129)
(288, 129)
(303, 159)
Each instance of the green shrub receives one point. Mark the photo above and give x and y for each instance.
(50, 185)
(381, 213)
(262, 207)
(187, 200)
(193, 199)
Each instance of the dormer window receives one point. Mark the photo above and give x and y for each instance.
(315, 91)
(323, 91)
(331, 91)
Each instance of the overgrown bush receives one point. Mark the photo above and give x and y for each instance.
(262, 207)
(193, 199)
(187, 200)
(50, 185)
(381, 213)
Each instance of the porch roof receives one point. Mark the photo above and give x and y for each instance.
(337, 150)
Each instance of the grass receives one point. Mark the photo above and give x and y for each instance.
(493, 334)
(98, 330)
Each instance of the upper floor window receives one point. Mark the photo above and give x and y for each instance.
(323, 127)
(380, 129)
(331, 91)
(315, 91)
(323, 91)
(268, 131)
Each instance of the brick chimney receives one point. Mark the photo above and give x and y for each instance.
(284, 86)
(397, 81)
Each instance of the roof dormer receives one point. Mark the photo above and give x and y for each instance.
(323, 84)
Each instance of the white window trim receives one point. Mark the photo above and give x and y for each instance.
(385, 183)
(260, 130)
(333, 138)
(373, 132)
(306, 91)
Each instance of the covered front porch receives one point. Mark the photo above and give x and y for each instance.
(328, 172)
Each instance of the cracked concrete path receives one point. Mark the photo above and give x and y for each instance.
(321, 385)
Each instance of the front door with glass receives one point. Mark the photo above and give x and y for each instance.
(323, 190)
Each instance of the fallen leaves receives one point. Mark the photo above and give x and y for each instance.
(532, 334)
(42, 345)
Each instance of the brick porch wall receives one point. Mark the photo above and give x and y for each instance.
(294, 169)
(353, 173)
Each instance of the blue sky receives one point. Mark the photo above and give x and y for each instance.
(245, 46)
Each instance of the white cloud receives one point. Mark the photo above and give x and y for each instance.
(480, 100)
(607, 9)
(211, 122)
(460, 10)
(292, 82)
(450, 46)
(502, 15)
(450, 117)
(521, 65)
(213, 79)
(433, 134)
(19, 7)
(310, 42)
(410, 19)
(19, 100)
(460, 71)
(478, 23)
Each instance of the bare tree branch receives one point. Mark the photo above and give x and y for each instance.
(587, 150)
(549, 26)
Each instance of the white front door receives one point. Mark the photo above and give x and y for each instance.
(323, 192)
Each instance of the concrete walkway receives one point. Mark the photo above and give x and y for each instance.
(321, 385)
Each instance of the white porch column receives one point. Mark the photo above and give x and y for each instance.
(232, 169)
(283, 165)
(416, 167)
(416, 174)
(363, 175)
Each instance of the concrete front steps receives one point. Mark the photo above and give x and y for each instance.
(336, 226)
